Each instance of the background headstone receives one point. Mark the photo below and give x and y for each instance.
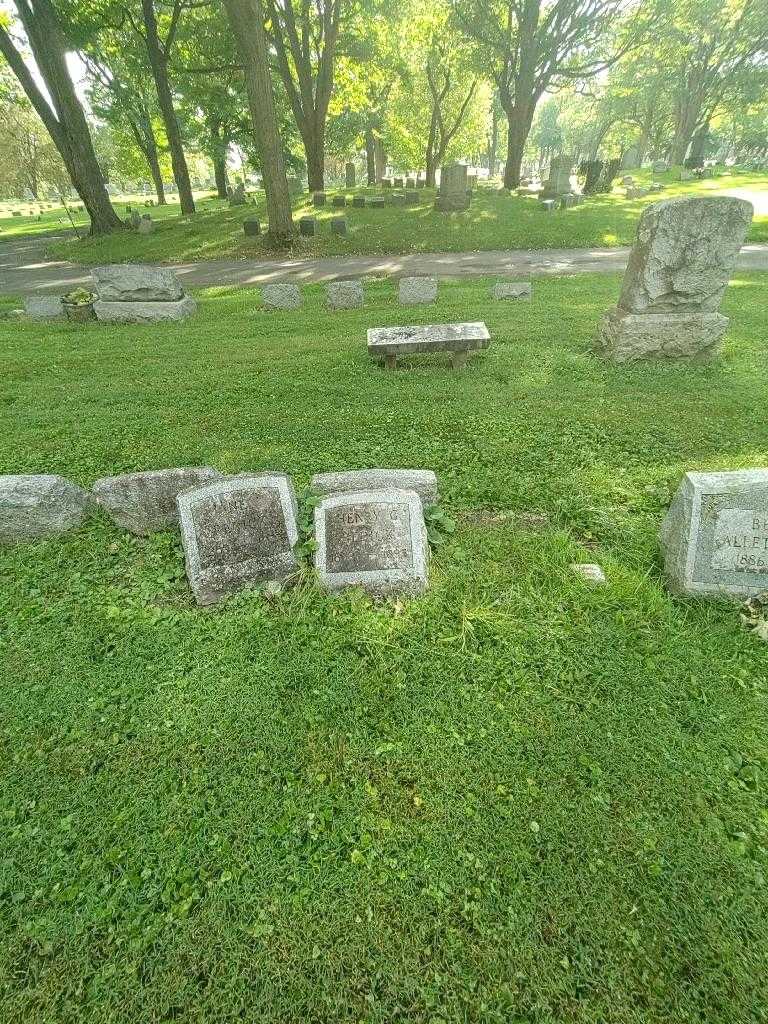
(134, 282)
(715, 535)
(338, 226)
(415, 291)
(146, 502)
(345, 294)
(376, 540)
(512, 290)
(281, 295)
(43, 307)
(251, 227)
(239, 532)
(307, 226)
(40, 505)
(349, 175)
(319, 199)
(422, 481)
(453, 189)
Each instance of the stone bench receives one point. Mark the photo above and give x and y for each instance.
(458, 339)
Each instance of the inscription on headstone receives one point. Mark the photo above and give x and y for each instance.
(238, 533)
(376, 540)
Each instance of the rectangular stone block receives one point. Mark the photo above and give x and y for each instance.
(422, 481)
(239, 532)
(135, 282)
(390, 342)
(43, 307)
(281, 295)
(144, 312)
(512, 290)
(345, 294)
(376, 540)
(625, 337)
(358, 202)
(319, 199)
(307, 226)
(416, 291)
(146, 502)
(715, 535)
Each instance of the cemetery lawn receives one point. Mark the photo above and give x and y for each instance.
(518, 798)
(495, 221)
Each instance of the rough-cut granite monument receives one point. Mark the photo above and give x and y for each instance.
(422, 481)
(238, 532)
(145, 502)
(678, 271)
(376, 540)
(715, 535)
(133, 293)
(453, 189)
(40, 505)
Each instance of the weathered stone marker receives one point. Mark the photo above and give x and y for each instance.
(349, 175)
(307, 226)
(715, 535)
(40, 505)
(146, 225)
(319, 199)
(281, 295)
(146, 502)
(345, 294)
(358, 202)
(512, 290)
(339, 201)
(417, 291)
(339, 226)
(376, 540)
(678, 271)
(559, 181)
(43, 307)
(251, 227)
(453, 189)
(134, 293)
(237, 533)
(422, 481)
(459, 339)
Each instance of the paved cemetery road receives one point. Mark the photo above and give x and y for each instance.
(24, 268)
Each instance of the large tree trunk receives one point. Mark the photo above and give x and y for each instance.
(219, 147)
(313, 137)
(519, 121)
(686, 119)
(493, 141)
(698, 146)
(221, 176)
(381, 158)
(159, 64)
(247, 20)
(65, 120)
(154, 170)
(370, 155)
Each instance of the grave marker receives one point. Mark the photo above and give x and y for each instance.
(146, 502)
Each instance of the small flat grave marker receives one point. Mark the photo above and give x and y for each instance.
(376, 540)
(238, 533)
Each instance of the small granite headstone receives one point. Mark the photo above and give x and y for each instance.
(715, 535)
(349, 175)
(43, 307)
(338, 226)
(358, 202)
(422, 481)
(146, 225)
(133, 293)
(40, 505)
(345, 294)
(319, 199)
(251, 227)
(238, 196)
(238, 532)
(146, 502)
(548, 205)
(512, 290)
(307, 226)
(339, 201)
(416, 291)
(281, 295)
(376, 540)
(453, 189)
(398, 183)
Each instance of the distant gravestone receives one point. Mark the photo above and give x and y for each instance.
(416, 291)
(715, 535)
(339, 226)
(251, 227)
(410, 182)
(146, 502)
(376, 540)
(660, 166)
(281, 295)
(453, 189)
(135, 219)
(238, 196)
(307, 226)
(146, 225)
(40, 505)
(422, 481)
(399, 183)
(630, 158)
(559, 181)
(358, 202)
(339, 201)
(411, 198)
(512, 290)
(319, 199)
(349, 175)
(679, 268)
(345, 294)
(43, 307)
(548, 205)
(239, 532)
(377, 202)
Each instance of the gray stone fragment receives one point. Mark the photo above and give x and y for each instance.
(281, 295)
(134, 312)
(625, 337)
(422, 481)
(239, 532)
(715, 535)
(345, 294)
(40, 505)
(145, 502)
(43, 307)
(146, 225)
(415, 291)
(376, 540)
(134, 282)
(512, 290)
(590, 572)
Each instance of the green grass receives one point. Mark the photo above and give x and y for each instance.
(515, 799)
(495, 221)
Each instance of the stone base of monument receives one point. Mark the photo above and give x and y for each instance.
(452, 203)
(624, 337)
(715, 535)
(145, 312)
(376, 540)
(388, 343)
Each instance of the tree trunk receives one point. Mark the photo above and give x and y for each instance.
(698, 146)
(370, 155)
(519, 127)
(64, 120)
(221, 176)
(313, 138)
(381, 158)
(686, 119)
(493, 141)
(154, 170)
(247, 20)
(159, 62)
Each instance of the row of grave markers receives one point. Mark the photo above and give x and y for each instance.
(243, 531)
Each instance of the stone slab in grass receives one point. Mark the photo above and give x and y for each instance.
(416, 291)
(134, 312)
(345, 294)
(40, 505)
(134, 282)
(512, 290)
(458, 339)
(43, 307)
(146, 502)
(422, 481)
(281, 295)
(239, 532)
(715, 535)
(374, 539)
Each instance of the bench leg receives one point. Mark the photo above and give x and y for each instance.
(390, 362)
(459, 359)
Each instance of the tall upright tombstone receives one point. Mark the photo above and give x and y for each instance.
(238, 532)
(559, 181)
(349, 174)
(453, 189)
(679, 268)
